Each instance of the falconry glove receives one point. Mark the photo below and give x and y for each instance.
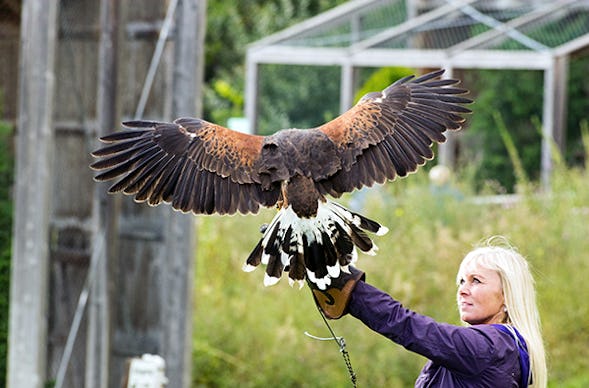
(333, 301)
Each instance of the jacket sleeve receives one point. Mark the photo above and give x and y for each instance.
(467, 350)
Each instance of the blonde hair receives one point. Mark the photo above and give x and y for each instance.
(520, 297)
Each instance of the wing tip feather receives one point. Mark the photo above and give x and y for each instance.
(248, 267)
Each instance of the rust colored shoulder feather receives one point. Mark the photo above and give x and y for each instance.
(390, 133)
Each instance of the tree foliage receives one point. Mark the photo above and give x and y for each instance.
(231, 26)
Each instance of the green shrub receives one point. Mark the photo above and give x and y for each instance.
(303, 96)
(517, 96)
(381, 78)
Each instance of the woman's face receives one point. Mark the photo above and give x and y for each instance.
(480, 295)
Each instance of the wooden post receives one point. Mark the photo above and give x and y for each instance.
(105, 210)
(29, 277)
(179, 241)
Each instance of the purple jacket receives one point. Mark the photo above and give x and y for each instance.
(474, 356)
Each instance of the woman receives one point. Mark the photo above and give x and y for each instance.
(501, 345)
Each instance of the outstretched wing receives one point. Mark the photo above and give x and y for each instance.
(193, 164)
(390, 133)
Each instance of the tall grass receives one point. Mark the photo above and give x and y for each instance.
(249, 336)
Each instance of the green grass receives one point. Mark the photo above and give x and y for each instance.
(250, 336)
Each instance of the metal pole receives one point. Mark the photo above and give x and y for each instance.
(447, 149)
(252, 92)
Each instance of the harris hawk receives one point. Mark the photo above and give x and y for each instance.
(204, 168)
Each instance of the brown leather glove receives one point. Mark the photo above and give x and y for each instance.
(334, 300)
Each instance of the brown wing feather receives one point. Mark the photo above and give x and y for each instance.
(391, 133)
(194, 165)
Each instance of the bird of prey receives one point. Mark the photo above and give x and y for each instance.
(204, 168)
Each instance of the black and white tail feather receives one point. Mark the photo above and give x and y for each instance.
(316, 248)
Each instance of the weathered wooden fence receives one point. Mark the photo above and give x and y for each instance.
(83, 64)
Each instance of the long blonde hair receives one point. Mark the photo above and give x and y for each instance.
(520, 297)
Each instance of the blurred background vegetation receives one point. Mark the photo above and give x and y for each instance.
(252, 336)
(307, 96)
